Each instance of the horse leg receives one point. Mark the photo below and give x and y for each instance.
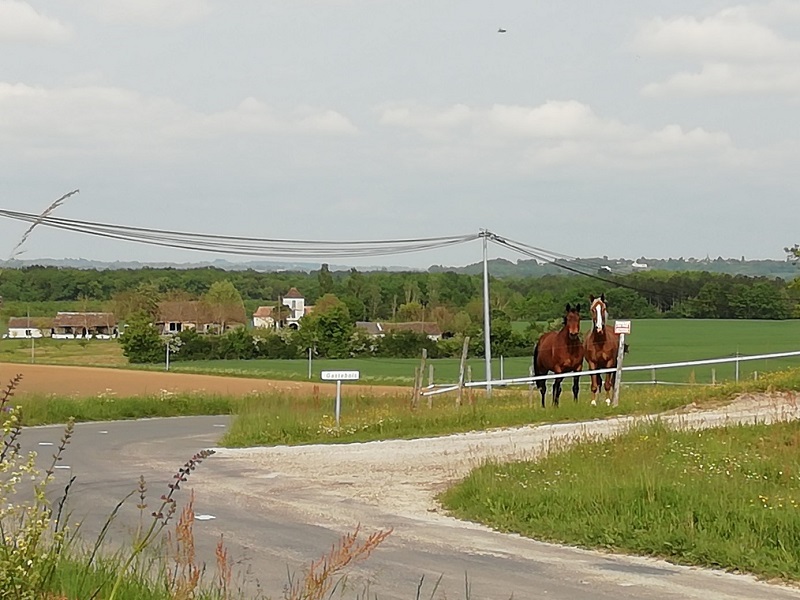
(542, 389)
(556, 391)
(594, 380)
(575, 386)
(610, 380)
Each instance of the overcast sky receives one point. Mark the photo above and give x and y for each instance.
(633, 128)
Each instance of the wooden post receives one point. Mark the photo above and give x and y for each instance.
(755, 375)
(430, 384)
(415, 393)
(618, 378)
(713, 376)
(469, 380)
(462, 371)
(531, 387)
(420, 377)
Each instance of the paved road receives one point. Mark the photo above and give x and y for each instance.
(267, 537)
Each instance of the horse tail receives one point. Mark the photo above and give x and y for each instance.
(536, 358)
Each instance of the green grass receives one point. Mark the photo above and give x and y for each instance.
(727, 498)
(44, 410)
(651, 341)
(276, 419)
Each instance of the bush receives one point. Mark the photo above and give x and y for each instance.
(140, 341)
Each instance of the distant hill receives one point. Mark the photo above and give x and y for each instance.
(226, 265)
(783, 269)
(498, 267)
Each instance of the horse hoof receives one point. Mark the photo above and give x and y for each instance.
(594, 402)
(608, 401)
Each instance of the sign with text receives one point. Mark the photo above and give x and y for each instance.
(340, 375)
(622, 327)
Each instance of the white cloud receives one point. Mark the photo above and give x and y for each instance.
(96, 120)
(725, 78)
(726, 35)
(159, 13)
(556, 133)
(20, 22)
(738, 48)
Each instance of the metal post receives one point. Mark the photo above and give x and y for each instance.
(309, 362)
(167, 365)
(653, 374)
(713, 376)
(461, 370)
(737, 366)
(338, 400)
(618, 377)
(487, 332)
(502, 368)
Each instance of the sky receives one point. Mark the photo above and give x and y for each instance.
(628, 129)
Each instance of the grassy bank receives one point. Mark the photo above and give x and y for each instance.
(727, 498)
(292, 420)
(45, 410)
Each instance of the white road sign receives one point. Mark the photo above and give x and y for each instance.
(622, 327)
(339, 375)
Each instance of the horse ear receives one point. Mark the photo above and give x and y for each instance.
(591, 297)
(603, 297)
(577, 308)
(569, 308)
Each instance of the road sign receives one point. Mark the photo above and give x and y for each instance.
(340, 375)
(622, 327)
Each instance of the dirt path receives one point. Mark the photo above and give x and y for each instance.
(91, 381)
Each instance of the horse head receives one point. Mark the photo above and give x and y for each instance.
(572, 321)
(598, 310)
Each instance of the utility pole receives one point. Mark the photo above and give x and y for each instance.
(487, 331)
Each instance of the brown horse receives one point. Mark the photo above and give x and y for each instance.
(560, 352)
(601, 346)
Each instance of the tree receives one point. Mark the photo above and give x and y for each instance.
(325, 280)
(225, 303)
(793, 251)
(143, 299)
(140, 341)
(329, 328)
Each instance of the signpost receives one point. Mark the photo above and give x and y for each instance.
(621, 328)
(338, 377)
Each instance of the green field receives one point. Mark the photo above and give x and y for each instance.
(651, 341)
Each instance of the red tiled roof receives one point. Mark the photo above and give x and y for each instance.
(29, 323)
(87, 319)
(264, 311)
(293, 293)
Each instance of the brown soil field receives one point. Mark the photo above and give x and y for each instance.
(92, 381)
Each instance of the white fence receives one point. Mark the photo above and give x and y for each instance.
(654, 368)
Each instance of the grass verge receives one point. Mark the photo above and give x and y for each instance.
(281, 419)
(726, 498)
(46, 410)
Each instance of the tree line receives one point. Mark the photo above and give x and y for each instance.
(453, 300)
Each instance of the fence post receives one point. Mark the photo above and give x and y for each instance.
(713, 376)
(502, 368)
(653, 373)
(415, 393)
(461, 370)
(469, 380)
(618, 377)
(737, 366)
(755, 375)
(530, 388)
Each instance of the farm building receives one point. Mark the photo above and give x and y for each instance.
(29, 327)
(379, 329)
(294, 300)
(176, 316)
(84, 325)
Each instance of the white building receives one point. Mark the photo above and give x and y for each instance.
(28, 327)
(294, 301)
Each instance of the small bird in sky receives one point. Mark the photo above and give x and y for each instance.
(501, 30)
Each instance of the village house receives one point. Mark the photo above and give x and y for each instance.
(379, 329)
(29, 327)
(176, 316)
(84, 325)
(296, 303)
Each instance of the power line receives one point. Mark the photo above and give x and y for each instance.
(240, 245)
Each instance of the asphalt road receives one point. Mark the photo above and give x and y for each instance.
(269, 540)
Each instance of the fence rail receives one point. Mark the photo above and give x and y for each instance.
(689, 363)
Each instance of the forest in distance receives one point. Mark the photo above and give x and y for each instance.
(432, 296)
